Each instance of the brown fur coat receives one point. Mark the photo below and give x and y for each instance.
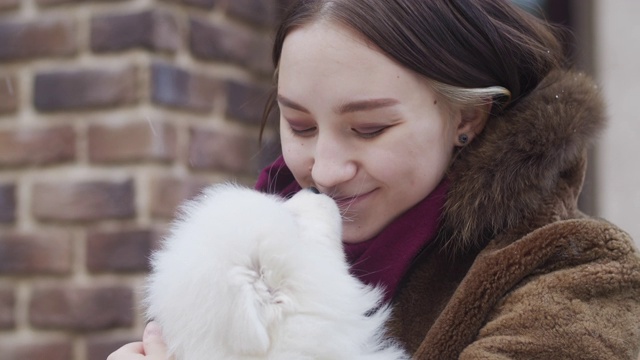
(517, 271)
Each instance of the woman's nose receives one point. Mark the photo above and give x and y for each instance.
(332, 164)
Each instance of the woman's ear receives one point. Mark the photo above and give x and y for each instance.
(472, 122)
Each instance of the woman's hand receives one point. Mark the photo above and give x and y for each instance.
(152, 347)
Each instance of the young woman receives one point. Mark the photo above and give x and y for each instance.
(455, 143)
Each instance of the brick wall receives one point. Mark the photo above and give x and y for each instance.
(112, 113)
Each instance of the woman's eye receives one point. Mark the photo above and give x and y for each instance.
(369, 133)
(302, 130)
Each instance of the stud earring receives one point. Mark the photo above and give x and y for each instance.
(463, 139)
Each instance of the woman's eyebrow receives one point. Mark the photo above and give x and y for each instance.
(292, 104)
(365, 105)
(353, 106)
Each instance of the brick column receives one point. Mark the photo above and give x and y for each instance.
(111, 114)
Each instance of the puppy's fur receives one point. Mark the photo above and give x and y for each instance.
(244, 275)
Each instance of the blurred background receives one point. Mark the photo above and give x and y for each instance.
(112, 112)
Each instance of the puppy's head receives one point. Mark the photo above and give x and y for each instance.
(318, 218)
(293, 245)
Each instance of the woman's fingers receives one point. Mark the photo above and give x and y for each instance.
(154, 346)
(131, 351)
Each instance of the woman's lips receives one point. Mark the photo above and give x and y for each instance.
(346, 202)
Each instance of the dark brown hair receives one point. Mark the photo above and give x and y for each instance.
(467, 44)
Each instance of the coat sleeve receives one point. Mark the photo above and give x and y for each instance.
(586, 311)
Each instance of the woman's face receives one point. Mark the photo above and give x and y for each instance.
(359, 127)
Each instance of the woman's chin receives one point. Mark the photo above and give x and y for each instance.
(353, 233)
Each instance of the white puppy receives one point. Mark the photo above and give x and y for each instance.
(244, 275)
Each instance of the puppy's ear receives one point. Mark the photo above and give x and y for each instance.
(247, 332)
(256, 308)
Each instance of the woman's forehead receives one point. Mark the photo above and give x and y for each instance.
(323, 59)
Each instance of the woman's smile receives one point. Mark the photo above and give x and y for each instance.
(350, 203)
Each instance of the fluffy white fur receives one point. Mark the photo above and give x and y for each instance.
(244, 275)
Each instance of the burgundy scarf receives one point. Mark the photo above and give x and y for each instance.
(384, 259)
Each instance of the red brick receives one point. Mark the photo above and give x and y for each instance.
(7, 308)
(83, 201)
(175, 87)
(99, 347)
(225, 151)
(81, 308)
(7, 203)
(132, 141)
(29, 254)
(152, 30)
(231, 43)
(8, 4)
(37, 146)
(260, 60)
(36, 349)
(8, 94)
(120, 251)
(245, 102)
(85, 89)
(38, 38)
(261, 12)
(167, 193)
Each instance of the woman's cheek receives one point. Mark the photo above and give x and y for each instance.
(297, 159)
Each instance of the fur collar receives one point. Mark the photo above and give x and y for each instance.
(525, 159)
